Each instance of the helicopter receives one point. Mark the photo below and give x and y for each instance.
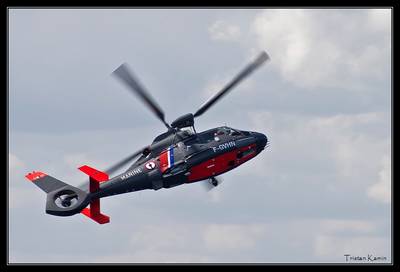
(179, 156)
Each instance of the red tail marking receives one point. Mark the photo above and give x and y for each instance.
(35, 175)
(95, 174)
(96, 216)
(96, 177)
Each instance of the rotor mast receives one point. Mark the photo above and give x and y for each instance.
(124, 74)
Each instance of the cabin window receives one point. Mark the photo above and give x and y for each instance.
(248, 152)
(243, 154)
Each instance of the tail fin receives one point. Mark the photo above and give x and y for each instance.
(62, 198)
(65, 200)
(96, 177)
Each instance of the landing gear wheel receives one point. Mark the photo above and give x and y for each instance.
(214, 182)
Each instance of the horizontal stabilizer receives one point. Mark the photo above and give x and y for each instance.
(95, 215)
(45, 182)
(94, 173)
(96, 177)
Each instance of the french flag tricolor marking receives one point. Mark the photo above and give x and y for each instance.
(170, 156)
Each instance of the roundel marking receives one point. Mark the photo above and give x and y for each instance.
(150, 165)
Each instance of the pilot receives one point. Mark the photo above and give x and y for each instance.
(219, 132)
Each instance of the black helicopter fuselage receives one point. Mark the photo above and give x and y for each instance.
(182, 157)
(178, 156)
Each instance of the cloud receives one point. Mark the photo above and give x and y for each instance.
(77, 159)
(326, 48)
(352, 147)
(381, 191)
(345, 145)
(218, 82)
(223, 31)
(379, 20)
(24, 197)
(334, 225)
(355, 237)
(15, 165)
(215, 196)
(232, 237)
(156, 238)
(150, 256)
(16, 179)
(331, 245)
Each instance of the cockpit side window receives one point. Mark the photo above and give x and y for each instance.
(230, 131)
(217, 134)
(234, 132)
(206, 137)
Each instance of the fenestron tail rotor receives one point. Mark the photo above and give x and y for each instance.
(66, 199)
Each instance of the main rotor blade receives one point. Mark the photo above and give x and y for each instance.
(121, 163)
(243, 74)
(126, 76)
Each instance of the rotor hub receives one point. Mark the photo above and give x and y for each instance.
(186, 120)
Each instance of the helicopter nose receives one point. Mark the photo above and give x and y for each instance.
(261, 141)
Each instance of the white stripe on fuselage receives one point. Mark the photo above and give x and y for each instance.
(169, 157)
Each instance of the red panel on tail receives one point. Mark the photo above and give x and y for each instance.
(93, 173)
(35, 175)
(98, 217)
(96, 177)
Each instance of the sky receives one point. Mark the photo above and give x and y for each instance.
(321, 190)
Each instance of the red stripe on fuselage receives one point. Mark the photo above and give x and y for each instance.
(220, 164)
(164, 161)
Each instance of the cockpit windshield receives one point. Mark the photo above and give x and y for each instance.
(227, 131)
(217, 134)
